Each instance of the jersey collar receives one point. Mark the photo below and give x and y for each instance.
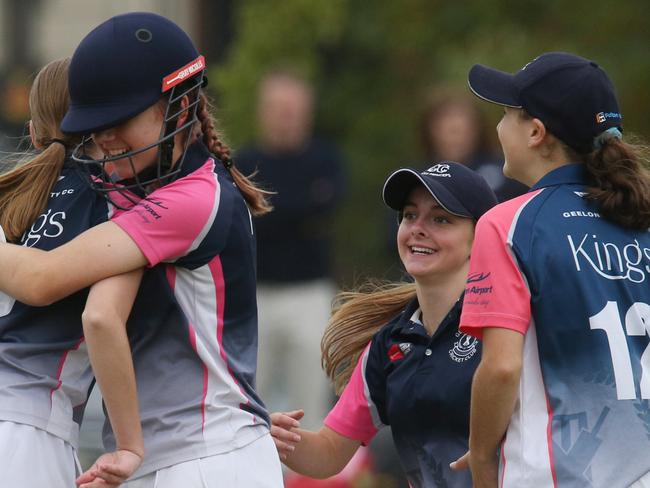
(409, 322)
(567, 174)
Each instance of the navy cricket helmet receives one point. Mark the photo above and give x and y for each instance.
(124, 66)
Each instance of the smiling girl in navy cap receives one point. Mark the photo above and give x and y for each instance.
(563, 386)
(395, 354)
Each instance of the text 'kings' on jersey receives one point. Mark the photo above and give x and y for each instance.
(193, 330)
(548, 265)
(45, 372)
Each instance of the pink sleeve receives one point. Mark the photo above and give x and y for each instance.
(174, 219)
(496, 294)
(352, 415)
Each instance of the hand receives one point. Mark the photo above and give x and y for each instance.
(461, 463)
(485, 473)
(110, 470)
(282, 431)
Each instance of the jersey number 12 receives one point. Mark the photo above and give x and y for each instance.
(637, 323)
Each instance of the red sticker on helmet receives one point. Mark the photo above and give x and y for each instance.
(180, 74)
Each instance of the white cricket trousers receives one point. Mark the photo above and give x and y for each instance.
(33, 458)
(255, 465)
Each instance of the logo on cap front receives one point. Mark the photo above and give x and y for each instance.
(439, 169)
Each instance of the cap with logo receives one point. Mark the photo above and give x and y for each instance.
(457, 189)
(119, 68)
(571, 95)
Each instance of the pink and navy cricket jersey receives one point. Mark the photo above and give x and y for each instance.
(193, 328)
(420, 386)
(548, 265)
(45, 372)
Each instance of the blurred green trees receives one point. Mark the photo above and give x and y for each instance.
(372, 62)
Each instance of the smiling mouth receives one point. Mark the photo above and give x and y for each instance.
(113, 153)
(421, 251)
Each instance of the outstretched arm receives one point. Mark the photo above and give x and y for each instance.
(39, 278)
(315, 454)
(104, 320)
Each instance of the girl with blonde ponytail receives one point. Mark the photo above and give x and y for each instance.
(45, 375)
(393, 351)
(25, 190)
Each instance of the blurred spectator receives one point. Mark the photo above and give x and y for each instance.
(453, 128)
(295, 286)
(14, 108)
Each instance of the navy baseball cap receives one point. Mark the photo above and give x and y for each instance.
(457, 189)
(117, 71)
(572, 96)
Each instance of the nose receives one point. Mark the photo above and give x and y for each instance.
(417, 227)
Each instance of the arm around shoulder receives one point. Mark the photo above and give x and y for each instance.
(39, 278)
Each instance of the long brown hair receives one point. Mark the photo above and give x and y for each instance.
(620, 183)
(25, 190)
(356, 317)
(255, 197)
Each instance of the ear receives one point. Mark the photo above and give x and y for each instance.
(182, 118)
(536, 133)
(32, 136)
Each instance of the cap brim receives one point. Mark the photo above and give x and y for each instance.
(493, 86)
(86, 119)
(399, 184)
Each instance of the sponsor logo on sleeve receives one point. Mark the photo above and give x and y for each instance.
(480, 289)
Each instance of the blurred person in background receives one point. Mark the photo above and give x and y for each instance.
(14, 111)
(453, 128)
(295, 285)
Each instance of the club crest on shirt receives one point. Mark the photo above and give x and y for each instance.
(464, 347)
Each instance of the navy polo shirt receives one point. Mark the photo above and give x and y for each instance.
(420, 386)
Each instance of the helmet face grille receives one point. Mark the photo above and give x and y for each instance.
(103, 179)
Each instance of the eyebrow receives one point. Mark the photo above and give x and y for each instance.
(411, 204)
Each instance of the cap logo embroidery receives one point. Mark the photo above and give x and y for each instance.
(439, 169)
(464, 348)
(603, 116)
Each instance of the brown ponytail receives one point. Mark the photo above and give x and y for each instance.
(25, 190)
(356, 317)
(254, 196)
(620, 183)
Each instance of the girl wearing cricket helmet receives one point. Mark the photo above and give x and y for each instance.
(135, 86)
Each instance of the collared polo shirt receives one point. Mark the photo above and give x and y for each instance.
(548, 265)
(420, 386)
(193, 328)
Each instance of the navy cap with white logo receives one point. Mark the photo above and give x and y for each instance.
(458, 189)
(572, 96)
